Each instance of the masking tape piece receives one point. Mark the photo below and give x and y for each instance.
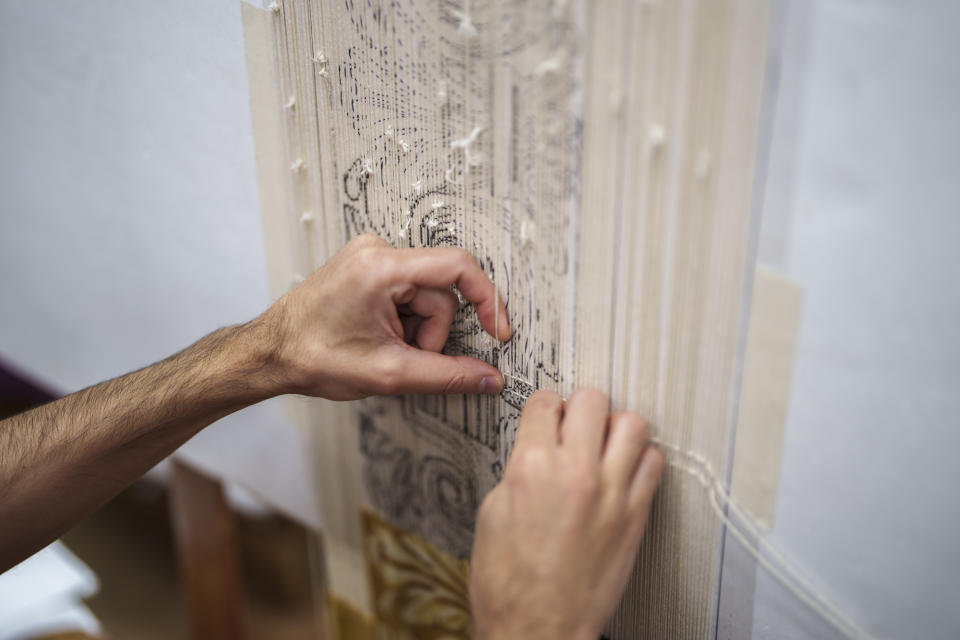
(765, 392)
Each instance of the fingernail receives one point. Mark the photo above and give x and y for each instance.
(491, 384)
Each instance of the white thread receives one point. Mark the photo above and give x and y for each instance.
(403, 145)
(431, 223)
(367, 166)
(786, 574)
(321, 60)
(448, 174)
(465, 28)
(406, 227)
(527, 231)
(290, 103)
(657, 135)
(306, 217)
(466, 145)
(548, 66)
(296, 165)
(417, 187)
(275, 7)
(437, 204)
(388, 132)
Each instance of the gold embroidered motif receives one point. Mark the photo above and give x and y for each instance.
(415, 587)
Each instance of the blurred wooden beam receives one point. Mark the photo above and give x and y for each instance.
(205, 534)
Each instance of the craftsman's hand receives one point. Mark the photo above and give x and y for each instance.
(556, 540)
(373, 320)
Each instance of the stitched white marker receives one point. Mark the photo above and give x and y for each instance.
(367, 166)
(296, 165)
(321, 60)
(466, 145)
(275, 7)
(656, 136)
(403, 145)
(290, 103)
(388, 132)
(417, 187)
(437, 204)
(306, 217)
(465, 28)
(527, 231)
(548, 66)
(448, 174)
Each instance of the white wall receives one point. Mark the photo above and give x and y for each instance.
(129, 215)
(868, 499)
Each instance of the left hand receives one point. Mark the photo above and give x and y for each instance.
(373, 321)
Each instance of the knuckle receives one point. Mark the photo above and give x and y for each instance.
(525, 465)
(390, 375)
(464, 258)
(543, 400)
(451, 302)
(635, 428)
(456, 384)
(590, 395)
(582, 482)
(376, 264)
(368, 240)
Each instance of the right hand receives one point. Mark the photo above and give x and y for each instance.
(373, 320)
(556, 540)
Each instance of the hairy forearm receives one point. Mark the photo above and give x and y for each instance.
(61, 461)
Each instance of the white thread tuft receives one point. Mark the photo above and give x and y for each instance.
(657, 135)
(548, 66)
(470, 157)
(465, 27)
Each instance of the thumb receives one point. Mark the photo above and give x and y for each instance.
(432, 373)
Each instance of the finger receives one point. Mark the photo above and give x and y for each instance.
(585, 422)
(437, 308)
(646, 480)
(540, 421)
(625, 443)
(418, 371)
(441, 267)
